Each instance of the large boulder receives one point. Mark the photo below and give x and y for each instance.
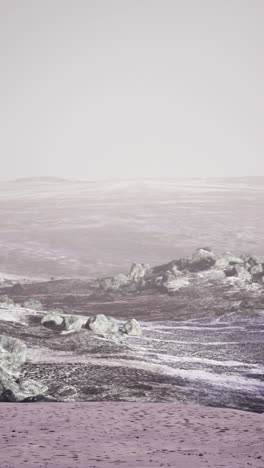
(53, 321)
(33, 304)
(13, 354)
(132, 327)
(100, 324)
(72, 323)
(139, 271)
(202, 259)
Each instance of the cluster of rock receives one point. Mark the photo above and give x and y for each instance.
(98, 324)
(203, 265)
(13, 354)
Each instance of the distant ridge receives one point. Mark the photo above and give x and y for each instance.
(41, 179)
(258, 180)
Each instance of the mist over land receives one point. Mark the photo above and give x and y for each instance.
(78, 228)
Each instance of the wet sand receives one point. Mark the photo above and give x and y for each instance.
(136, 435)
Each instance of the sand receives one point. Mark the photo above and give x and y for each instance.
(91, 435)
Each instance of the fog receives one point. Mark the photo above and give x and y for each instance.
(118, 89)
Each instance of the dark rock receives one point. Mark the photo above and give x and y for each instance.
(38, 399)
(8, 396)
(53, 321)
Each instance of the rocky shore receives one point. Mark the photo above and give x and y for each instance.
(77, 340)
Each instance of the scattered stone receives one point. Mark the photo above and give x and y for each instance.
(232, 259)
(33, 304)
(257, 269)
(132, 327)
(72, 323)
(256, 260)
(242, 272)
(52, 321)
(101, 324)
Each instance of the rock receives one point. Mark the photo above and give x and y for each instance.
(7, 396)
(201, 260)
(242, 273)
(72, 323)
(173, 285)
(138, 271)
(38, 399)
(52, 321)
(4, 299)
(257, 269)
(232, 259)
(161, 269)
(33, 304)
(256, 260)
(222, 263)
(13, 354)
(132, 327)
(210, 275)
(115, 282)
(230, 271)
(100, 324)
(12, 351)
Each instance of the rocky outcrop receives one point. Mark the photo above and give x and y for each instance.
(33, 304)
(101, 324)
(115, 282)
(203, 266)
(53, 321)
(132, 327)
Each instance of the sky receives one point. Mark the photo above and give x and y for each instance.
(117, 89)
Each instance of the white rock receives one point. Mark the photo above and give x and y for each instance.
(138, 271)
(52, 320)
(132, 327)
(101, 324)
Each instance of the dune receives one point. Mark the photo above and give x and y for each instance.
(136, 435)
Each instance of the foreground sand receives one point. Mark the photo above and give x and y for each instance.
(91, 435)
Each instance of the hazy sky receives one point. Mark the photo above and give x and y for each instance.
(131, 88)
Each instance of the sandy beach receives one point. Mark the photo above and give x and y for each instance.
(91, 435)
